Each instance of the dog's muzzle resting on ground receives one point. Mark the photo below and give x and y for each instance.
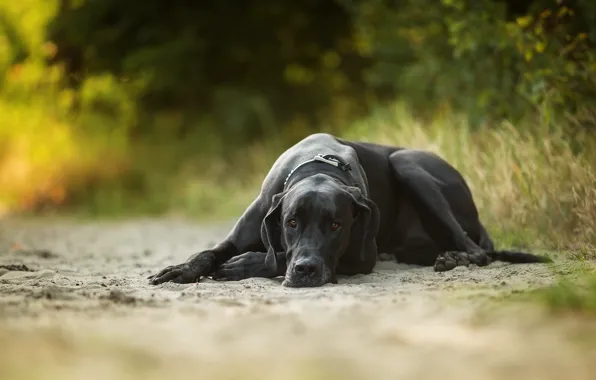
(328, 206)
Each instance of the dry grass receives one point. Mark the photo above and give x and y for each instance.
(530, 187)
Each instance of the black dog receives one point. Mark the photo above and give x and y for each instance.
(328, 206)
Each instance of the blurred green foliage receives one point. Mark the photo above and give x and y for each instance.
(254, 67)
(492, 59)
(251, 68)
(104, 99)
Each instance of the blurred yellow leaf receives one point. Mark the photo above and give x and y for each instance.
(540, 47)
(77, 3)
(539, 30)
(297, 74)
(524, 21)
(545, 13)
(363, 44)
(66, 99)
(528, 55)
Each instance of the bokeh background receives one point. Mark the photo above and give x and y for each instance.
(114, 108)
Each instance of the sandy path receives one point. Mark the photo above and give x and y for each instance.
(86, 311)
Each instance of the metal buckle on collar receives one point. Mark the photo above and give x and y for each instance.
(333, 160)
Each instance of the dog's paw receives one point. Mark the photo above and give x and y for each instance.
(246, 265)
(479, 258)
(448, 260)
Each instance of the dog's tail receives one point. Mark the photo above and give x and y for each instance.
(518, 257)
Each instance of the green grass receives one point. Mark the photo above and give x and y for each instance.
(571, 296)
(573, 293)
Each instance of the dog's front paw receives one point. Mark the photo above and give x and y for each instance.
(246, 265)
(181, 273)
(190, 271)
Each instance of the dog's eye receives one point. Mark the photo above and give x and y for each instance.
(291, 223)
(335, 226)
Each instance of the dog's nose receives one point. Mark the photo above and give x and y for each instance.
(306, 267)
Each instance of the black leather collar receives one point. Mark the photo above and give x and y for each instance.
(329, 159)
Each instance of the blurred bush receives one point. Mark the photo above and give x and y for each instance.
(491, 59)
(51, 134)
(108, 106)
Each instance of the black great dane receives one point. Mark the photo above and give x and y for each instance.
(328, 206)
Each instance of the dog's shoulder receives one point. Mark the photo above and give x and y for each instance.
(366, 149)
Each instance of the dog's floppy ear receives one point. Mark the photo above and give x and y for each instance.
(271, 232)
(365, 227)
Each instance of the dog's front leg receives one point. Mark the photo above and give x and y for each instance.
(249, 264)
(244, 237)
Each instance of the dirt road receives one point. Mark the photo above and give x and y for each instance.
(74, 304)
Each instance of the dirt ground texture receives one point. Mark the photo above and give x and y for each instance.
(75, 304)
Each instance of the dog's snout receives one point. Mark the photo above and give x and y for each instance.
(307, 270)
(306, 266)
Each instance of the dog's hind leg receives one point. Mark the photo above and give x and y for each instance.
(434, 187)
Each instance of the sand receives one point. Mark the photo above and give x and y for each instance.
(75, 304)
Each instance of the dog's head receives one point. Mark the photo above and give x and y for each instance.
(315, 222)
